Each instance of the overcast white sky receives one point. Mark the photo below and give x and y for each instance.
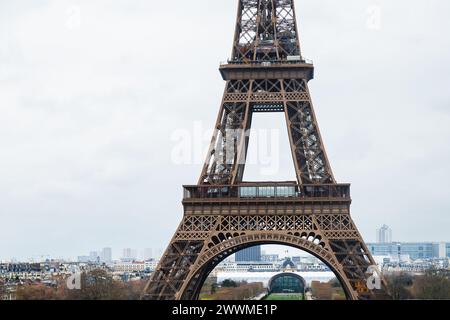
(93, 92)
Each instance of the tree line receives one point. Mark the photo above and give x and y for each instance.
(99, 285)
(433, 285)
(95, 285)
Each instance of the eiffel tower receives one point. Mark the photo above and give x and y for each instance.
(222, 213)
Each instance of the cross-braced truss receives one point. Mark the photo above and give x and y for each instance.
(242, 98)
(223, 214)
(265, 31)
(204, 239)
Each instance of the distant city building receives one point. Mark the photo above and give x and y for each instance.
(270, 257)
(247, 267)
(252, 254)
(129, 266)
(135, 266)
(20, 267)
(297, 260)
(97, 257)
(106, 256)
(384, 234)
(129, 254)
(84, 259)
(148, 254)
(94, 256)
(310, 260)
(309, 264)
(444, 249)
(415, 251)
(21, 271)
(288, 282)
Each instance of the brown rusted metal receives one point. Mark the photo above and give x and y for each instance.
(222, 213)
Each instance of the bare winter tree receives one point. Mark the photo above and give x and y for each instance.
(95, 285)
(434, 285)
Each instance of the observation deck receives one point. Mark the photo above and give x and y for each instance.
(289, 192)
(277, 69)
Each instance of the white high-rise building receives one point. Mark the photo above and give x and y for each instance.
(442, 250)
(384, 234)
(129, 254)
(106, 256)
(94, 256)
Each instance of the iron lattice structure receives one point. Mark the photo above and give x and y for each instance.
(223, 214)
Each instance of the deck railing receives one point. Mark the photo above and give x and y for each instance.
(268, 190)
(265, 63)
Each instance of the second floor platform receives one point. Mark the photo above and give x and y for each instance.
(267, 192)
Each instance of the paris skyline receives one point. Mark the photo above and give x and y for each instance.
(89, 116)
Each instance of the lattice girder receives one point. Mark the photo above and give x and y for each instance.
(227, 234)
(266, 30)
(225, 163)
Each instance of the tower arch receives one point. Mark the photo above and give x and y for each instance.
(217, 254)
